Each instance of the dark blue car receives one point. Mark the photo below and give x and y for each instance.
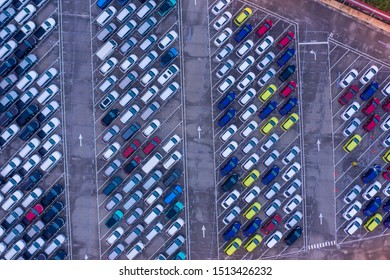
(229, 166)
(229, 98)
(386, 206)
(286, 57)
(369, 91)
(252, 227)
(231, 231)
(270, 175)
(286, 108)
(102, 4)
(229, 115)
(372, 206)
(371, 174)
(169, 57)
(7, 66)
(293, 236)
(243, 33)
(123, 2)
(268, 110)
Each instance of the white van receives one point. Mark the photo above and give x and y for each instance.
(146, 9)
(107, 49)
(172, 142)
(126, 12)
(127, 97)
(169, 91)
(167, 40)
(51, 161)
(152, 163)
(152, 92)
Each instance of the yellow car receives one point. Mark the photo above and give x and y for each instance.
(373, 222)
(251, 178)
(252, 211)
(386, 157)
(265, 95)
(352, 143)
(269, 125)
(233, 246)
(243, 16)
(253, 243)
(289, 122)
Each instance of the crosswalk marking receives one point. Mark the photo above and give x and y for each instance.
(321, 245)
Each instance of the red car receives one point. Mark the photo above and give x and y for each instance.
(371, 123)
(348, 95)
(271, 224)
(386, 105)
(386, 174)
(371, 106)
(32, 214)
(152, 145)
(264, 28)
(285, 40)
(131, 149)
(288, 89)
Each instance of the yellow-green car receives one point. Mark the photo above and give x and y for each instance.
(265, 95)
(243, 16)
(373, 222)
(252, 211)
(253, 243)
(251, 178)
(352, 143)
(233, 246)
(386, 157)
(289, 122)
(269, 125)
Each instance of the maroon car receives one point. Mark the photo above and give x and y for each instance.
(371, 106)
(152, 145)
(264, 28)
(386, 174)
(271, 224)
(372, 123)
(291, 86)
(285, 40)
(131, 149)
(348, 95)
(386, 105)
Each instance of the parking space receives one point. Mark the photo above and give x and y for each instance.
(361, 197)
(246, 149)
(33, 188)
(147, 164)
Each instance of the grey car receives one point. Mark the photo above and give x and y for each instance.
(106, 32)
(128, 80)
(175, 245)
(34, 230)
(26, 64)
(134, 216)
(7, 100)
(114, 201)
(12, 217)
(116, 252)
(7, 83)
(132, 183)
(150, 110)
(135, 197)
(136, 232)
(13, 234)
(153, 179)
(128, 45)
(112, 168)
(110, 134)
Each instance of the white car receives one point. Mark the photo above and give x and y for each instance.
(268, 58)
(223, 37)
(248, 112)
(372, 190)
(26, 30)
(222, 20)
(386, 190)
(7, 49)
(294, 151)
(151, 128)
(249, 129)
(231, 147)
(48, 94)
(273, 239)
(291, 171)
(386, 141)
(245, 64)
(271, 209)
(270, 142)
(274, 155)
(108, 66)
(370, 73)
(264, 45)
(154, 195)
(15, 250)
(252, 194)
(106, 16)
(272, 190)
(220, 6)
(250, 162)
(292, 204)
(351, 127)
(348, 79)
(226, 50)
(245, 48)
(352, 210)
(47, 77)
(10, 166)
(252, 143)
(129, 114)
(51, 161)
(27, 80)
(352, 194)
(248, 96)
(171, 143)
(34, 195)
(48, 128)
(35, 246)
(385, 125)
(386, 89)
(128, 63)
(115, 235)
(11, 183)
(168, 74)
(292, 188)
(266, 77)
(25, 14)
(50, 144)
(228, 133)
(167, 40)
(246, 81)
(230, 199)
(350, 111)
(30, 164)
(111, 151)
(149, 77)
(175, 157)
(295, 218)
(226, 84)
(353, 226)
(4, 4)
(9, 133)
(169, 91)
(175, 227)
(234, 213)
(226, 67)
(12, 200)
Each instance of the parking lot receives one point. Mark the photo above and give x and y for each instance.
(33, 169)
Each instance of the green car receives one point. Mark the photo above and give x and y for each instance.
(114, 219)
(166, 7)
(174, 210)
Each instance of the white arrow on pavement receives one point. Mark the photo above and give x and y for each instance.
(86, 257)
(318, 144)
(199, 130)
(313, 53)
(321, 218)
(81, 140)
(203, 231)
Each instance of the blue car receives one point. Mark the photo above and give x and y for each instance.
(270, 175)
(122, 2)
(229, 115)
(268, 110)
(229, 98)
(102, 4)
(371, 174)
(229, 166)
(231, 231)
(286, 57)
(172, 195)
(243, 33)
(168, 57)
(372, 207)
(252, 227)
(369, 91)
(286, 108)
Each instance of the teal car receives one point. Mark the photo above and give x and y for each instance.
(166, 7)
(180, 256)
(174, 210)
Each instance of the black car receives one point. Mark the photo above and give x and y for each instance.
(53, 228)
(293, 236)
(29, 131)
(110, 117)
(168, 57)
(9, 116)
(60, 255)
(6, 16)
(52, 195)
(7, 66)
(176, 173)
(32, 180)
(40, 256)
(229, 183)
(18, 4)
(132, 165)
(27, 114)
(53, 211)
(25, 47)
(39, 3)
(26, 64)
(287, 73)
